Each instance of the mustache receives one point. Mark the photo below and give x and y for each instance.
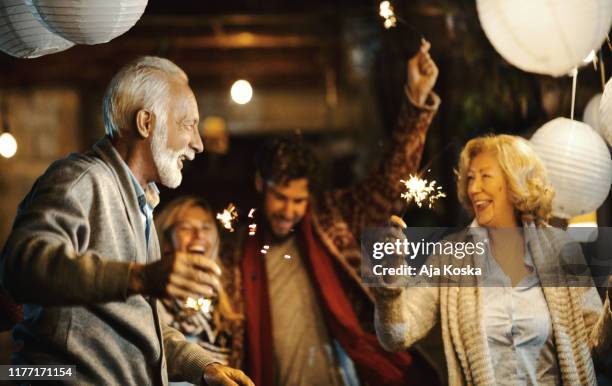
(190, 154)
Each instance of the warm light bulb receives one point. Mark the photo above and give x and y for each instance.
(241, 92)
(8, 145)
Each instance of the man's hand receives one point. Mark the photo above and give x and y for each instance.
(180, 275)
(422, 74)
(219, 375)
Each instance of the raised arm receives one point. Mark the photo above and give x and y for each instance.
(371, 201)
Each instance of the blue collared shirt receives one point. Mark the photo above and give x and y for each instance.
(517, 323)
(146, 209)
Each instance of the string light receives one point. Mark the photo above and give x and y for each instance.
(241, 92)
(8, 145)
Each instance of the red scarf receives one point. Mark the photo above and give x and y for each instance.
(374, 365)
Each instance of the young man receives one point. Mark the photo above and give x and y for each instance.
(84, 256)
(308, 316)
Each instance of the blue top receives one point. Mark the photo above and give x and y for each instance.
(517, 324)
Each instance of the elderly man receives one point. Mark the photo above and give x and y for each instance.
(84, 256)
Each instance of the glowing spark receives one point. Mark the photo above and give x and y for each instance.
(287, 257)
(386, 12)
(191, 303)
(252, 229)
(420, 190)
(390, 23)
(265, 249)
(251, 212)
(201, 304)
(229, 215)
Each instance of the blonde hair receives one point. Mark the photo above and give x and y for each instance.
(528, 186)
(165, 221)
(141, 84)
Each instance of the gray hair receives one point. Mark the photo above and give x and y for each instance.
(142, 83)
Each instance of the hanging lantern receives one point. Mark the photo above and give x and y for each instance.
(605, 113)
(22, 36)
(591, 112)
(542, 36)
(578, 164)
(88, 21)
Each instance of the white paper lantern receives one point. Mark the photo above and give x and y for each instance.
(544, 36)
(605, 113)
(591, 113)
(578, 163)
(22, 36)
(88, 21)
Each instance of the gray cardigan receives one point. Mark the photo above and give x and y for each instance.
(68, 258)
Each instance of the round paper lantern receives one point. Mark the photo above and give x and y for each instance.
(543, 36)
(88, 21)
(22, 36)
(591, 112)
(605, 113)
(578, 163)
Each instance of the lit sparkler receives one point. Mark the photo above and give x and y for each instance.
(421, 191)
(387, 13)
(228, 216)
(200, 305)
(253, 226)
(265, 248)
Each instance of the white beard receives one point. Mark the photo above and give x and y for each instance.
(166, 160)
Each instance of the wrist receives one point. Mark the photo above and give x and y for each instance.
(136, 280)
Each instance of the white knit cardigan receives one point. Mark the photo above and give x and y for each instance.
(581, 325)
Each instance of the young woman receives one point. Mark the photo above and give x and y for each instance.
(187, 225)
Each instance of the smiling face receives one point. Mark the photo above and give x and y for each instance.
(195, 232)
(285, 205)
(176, 137)
(488, 192)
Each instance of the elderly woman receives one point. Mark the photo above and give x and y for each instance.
(506, 328)
(187, 225)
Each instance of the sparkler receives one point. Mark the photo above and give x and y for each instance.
(253, 226)
(200, 305)
(387, 13)
(421, 191)
(228, 216)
